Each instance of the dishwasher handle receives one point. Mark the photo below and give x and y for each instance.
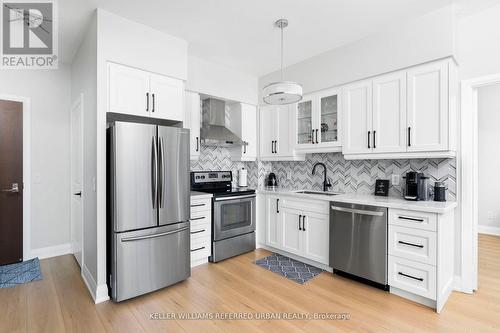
(357, 211)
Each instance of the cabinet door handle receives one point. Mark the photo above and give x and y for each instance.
(300, 217)
(275, 146)
(197, 144)
(197, 249)
(198, 205)
(369, 133)
(317, 136)
(410, 219)
(409, 136)
(245, 147)
(312, 136)
(197, 232)
(304, 223)
(153, 97)
(147, 102)
(411, 277)
(374, 136)
(197, 218)
(277, 206)
(411, 244)
(272, 147)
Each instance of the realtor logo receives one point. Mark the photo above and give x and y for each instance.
(29, 35)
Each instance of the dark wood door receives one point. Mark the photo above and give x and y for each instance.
(11, 173)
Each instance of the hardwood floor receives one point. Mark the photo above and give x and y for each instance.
(61, 303)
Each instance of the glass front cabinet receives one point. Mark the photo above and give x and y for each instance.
(318, 122)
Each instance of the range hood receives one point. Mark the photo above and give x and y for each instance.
(213, 128)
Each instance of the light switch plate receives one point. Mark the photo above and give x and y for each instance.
(288, 175)
(395, 179)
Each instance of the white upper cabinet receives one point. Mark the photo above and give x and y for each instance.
(318, 120)
(358, 118)
(428, 107)
(276, 131)
(140, 93)
(193, 122)
(405, 114)
(389, 113)
(167, 98)
(243, 122)
(128, 90)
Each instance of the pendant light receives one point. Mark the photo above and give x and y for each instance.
(282, 92)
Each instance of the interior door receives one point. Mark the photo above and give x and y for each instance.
(268, 126)
(174, 180)
(167, 98)
(291, 221)
(128, 90)
(358, 118)
(76, 181)
(11, 182)
(428, 107)
(134, 176)
(389, 113)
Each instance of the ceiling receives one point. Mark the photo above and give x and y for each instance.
(240, 33)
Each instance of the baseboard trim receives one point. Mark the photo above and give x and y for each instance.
(89, 282)
(484, 229)
(301, 259)
(51, 251)
(101, 293)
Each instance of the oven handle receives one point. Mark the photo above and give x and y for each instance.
(235, 197)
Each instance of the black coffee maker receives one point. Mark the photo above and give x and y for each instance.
(416, 186)
(272, 180)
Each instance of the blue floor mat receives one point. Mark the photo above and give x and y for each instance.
(19, 273)
(290, 268)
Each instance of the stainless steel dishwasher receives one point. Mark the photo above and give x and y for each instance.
(358, 241)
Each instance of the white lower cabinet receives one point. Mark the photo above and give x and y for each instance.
(297, 228)
(412, 276)
(201, 230)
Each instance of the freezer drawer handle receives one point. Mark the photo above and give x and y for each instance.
(197, 218)
(197, 249)
(197, 232)
(410, 219)
(130, 239)
(357, 211)
(411, 277)
(411, 244)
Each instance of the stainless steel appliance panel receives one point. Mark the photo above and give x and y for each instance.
(174, 177)
(134, 176)
(358, 240)
(233, 215)
(147, 260)
(231, 247)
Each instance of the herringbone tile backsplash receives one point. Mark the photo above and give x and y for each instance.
(346, 176)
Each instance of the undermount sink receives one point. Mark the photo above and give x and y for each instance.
(315, 192)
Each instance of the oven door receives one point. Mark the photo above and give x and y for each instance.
(233, 216)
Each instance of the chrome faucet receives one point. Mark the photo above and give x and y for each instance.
(326, 181)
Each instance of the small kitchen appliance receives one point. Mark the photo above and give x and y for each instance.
(272, 180)
(439, 191)
(416, 186)
(242, 177)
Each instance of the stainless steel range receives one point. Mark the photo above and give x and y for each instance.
(233, 213)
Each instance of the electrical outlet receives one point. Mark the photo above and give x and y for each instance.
(94, 185)
(492, 215)
(288, 175)
(395, 179)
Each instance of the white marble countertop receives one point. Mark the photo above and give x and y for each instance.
(372, 200)
(200, 195)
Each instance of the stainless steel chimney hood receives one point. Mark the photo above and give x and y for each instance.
(213, 130)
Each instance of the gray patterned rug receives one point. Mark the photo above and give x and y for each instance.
(19, 273)
(290, 268)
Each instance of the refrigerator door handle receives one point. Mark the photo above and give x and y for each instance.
(130, 239)
(154, 172)
(161, 172)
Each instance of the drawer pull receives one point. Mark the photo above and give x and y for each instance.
(411, 277)
(197, 218)
(198, 205)
(197, 249)
(197, 232)
(410, 219)
(411, 244)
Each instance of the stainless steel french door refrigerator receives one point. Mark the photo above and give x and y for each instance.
(148, 208)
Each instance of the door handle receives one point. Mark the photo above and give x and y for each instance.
(147, 102)
(312, 136)
(244, 147)
(161, 172)
(78, 193)
(409, 136)
(300, 217)
(277, 206)
(153, 97)
(303, 223)
(317, 136)
(374, 136)
(275, 146)
(197, 144)
(357, 211)
(154, 172)
(369, 133)
(13, 189)
(272, 147)
(130, 239)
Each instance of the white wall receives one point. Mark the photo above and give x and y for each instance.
(489, 156)
(84, 81)
(429, 37)
(49, 92)
(478, 43)
(216, 80)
